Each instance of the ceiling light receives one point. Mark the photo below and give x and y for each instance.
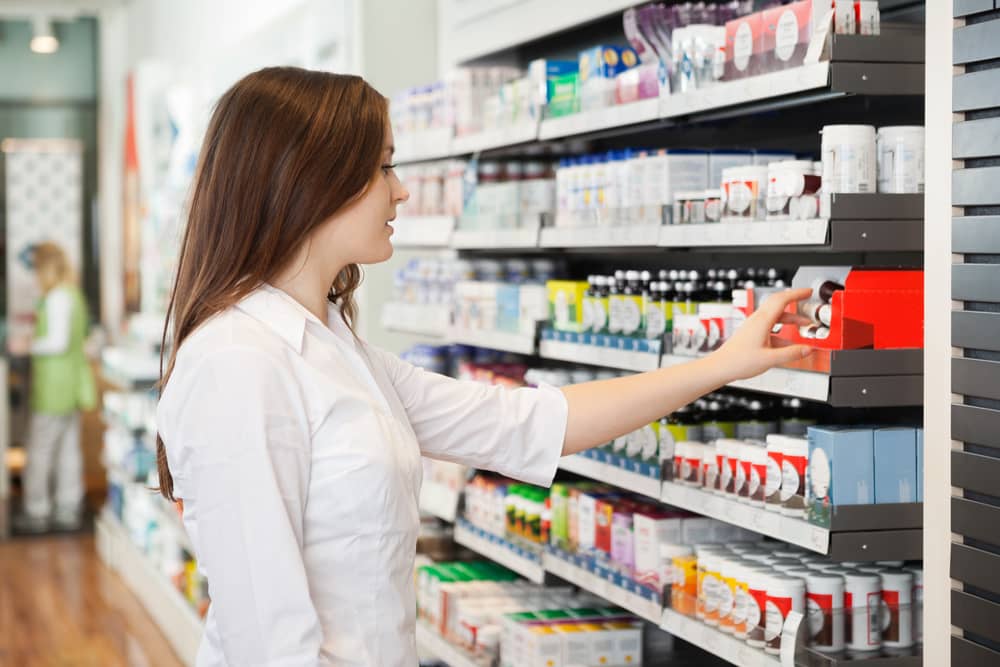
(43, 38)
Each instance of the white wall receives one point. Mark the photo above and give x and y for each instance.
(205, 46)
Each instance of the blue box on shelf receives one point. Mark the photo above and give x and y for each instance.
(650, 470)
(631, 465)
(895, 465)
(547, 334)
(920, 465)
(601, 455)
(642, 345)
(615, 460)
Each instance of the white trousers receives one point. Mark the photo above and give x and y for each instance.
(54, 456)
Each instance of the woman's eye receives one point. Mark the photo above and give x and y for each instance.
(386, 168)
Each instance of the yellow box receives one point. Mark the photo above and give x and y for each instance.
(566, 304)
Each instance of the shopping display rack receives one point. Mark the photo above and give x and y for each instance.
(879, 80)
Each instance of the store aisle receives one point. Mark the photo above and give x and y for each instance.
(60, 605)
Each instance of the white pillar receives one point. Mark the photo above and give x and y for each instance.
(937, 335)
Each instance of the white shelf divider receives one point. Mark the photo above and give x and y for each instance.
(636, 236)
(595, 120)
(611, 474)
(781, 381)
(493, 340)
(168, 608)
(432, 144)
(762, 233)
(727, 647)
(499, 551)
(587, 580)
(499, 137)
(741, 91)
(488, 239)
(422, 319)
(439, 500)
(766, 522)
(594, 355)
(429, 641)
(429, 231)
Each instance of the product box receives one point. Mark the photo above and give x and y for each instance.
(587, 521)
(626, 640)
(508, 308)
(566, 303)
(604, 512)
(564, 95)
(651, 529)
(623, 540)
(719, 160)
(920, 465)
(785, 34)
(743, 43)
(841, 470)
(544, 70)
(534, 307)
(895, 465)
(599, 67)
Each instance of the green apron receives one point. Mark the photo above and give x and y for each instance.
(63, 383)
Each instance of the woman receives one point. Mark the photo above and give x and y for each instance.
(62, 385)
(294, 445)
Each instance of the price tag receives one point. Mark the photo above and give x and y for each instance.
(790, 638)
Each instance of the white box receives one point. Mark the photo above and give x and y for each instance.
(650, 531)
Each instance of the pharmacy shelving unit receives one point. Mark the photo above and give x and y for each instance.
(858, 80)
(516, 343)
(173, 614)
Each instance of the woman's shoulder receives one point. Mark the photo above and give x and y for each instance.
(230, 333)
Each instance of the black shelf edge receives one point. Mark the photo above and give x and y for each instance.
(845, 363)
(876, 236)
(876, 206)
(971, 654)
(882, 391)
(877, 78)
(975, 472)
(975, 377)
(877, 517)
(813, 658)
(878, 545)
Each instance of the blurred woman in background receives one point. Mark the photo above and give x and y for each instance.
(62, 385)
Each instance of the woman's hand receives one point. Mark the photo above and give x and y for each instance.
(752, 349)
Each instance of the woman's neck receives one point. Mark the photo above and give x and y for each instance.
(307, 282)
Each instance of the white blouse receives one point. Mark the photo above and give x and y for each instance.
(296, 450)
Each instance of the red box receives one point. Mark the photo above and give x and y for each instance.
(605, 510)
(743, 43)
(784, 36)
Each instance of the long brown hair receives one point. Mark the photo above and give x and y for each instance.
(286, 149)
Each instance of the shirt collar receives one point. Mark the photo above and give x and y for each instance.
(283, 314)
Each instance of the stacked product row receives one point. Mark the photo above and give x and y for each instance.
(672, 50)
(485, 610)
(806, 477)
(849, 309)
(749, 590)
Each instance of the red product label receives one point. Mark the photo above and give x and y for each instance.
(784, 605)
(891, 598)
(825, 602)
(745, 491)
(720, 461)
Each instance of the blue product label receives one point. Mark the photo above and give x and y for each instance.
(615, 460)
(600, 455)
(546, 334)
(631, 465)
(587, 338)
(572, 337)
(650, 470)
(642, 345)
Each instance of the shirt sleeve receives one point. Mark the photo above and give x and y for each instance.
(59, 316)
(240, 444)
(515, 432)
